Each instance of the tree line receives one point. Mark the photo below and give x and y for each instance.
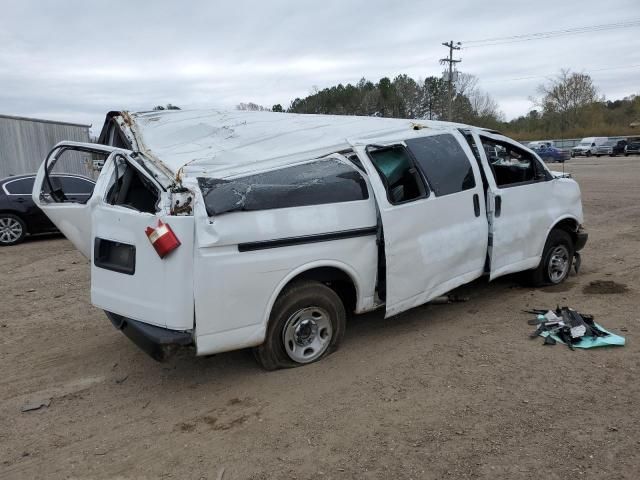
(568, 105)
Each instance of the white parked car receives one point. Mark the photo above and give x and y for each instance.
(275, 227)
(588, 146)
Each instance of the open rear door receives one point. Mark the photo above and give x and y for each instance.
(70, 211)
(128, 276)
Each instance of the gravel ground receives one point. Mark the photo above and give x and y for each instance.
(441, 391)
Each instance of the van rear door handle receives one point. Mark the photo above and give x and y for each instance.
(498, 208)
(476, 204)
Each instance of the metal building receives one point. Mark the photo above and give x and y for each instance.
(24, 143)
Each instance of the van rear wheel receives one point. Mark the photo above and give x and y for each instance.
(307, 323)
(556, 261)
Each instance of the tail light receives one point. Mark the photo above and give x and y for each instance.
(162, 238)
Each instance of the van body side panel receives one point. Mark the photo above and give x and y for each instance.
(235, 290)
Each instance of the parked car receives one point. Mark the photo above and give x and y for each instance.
(551, 154)
(588, 146)
(20, 216)
(539, 143)
(611, 148)
(226, 230)
(632, 148)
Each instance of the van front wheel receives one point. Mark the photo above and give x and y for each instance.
(307, 323)
(556, 261)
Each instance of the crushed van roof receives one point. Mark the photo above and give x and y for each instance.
(218, 143)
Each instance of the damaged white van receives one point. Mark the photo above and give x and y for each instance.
(224, 230)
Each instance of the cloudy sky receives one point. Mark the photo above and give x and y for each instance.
(76, 60)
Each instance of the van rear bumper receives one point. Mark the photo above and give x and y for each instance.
(159, 343)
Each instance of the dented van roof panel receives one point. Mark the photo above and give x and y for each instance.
(220, 144)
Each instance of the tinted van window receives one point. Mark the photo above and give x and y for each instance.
(443, 162)
(313, 183)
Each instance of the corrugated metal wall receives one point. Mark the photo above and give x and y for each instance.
(25, 142)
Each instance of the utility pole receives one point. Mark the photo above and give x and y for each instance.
(451, 46)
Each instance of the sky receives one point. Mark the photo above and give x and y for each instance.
(76, 60)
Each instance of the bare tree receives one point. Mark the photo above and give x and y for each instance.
(465, 83)
(483, 106)
(567, 93)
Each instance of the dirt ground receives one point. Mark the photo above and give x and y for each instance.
(442, 391)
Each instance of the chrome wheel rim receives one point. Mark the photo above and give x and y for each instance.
(307, 334)
(558, 267)
(10, 230)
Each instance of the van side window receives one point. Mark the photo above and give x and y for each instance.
(312, 183)
(443, 162)
(510, 165)
(398, 173)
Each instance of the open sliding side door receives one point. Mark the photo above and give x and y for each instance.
(433, 243)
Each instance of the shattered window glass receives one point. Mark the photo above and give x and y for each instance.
(443, 162)
(313, 183)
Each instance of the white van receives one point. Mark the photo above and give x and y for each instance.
(588, 146)
(278, 226)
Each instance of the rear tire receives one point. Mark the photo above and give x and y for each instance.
(557, 258)
(306, 324)
(12, 229)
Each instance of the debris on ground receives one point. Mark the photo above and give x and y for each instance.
(35, 405)
(569, 327)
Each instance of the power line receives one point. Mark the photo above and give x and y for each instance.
(617, 67)
(487, 42)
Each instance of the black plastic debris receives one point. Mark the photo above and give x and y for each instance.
(574, 329)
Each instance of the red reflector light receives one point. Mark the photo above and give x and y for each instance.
(162, 238)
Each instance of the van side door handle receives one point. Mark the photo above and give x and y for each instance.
(498, 207)
(476, 204)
